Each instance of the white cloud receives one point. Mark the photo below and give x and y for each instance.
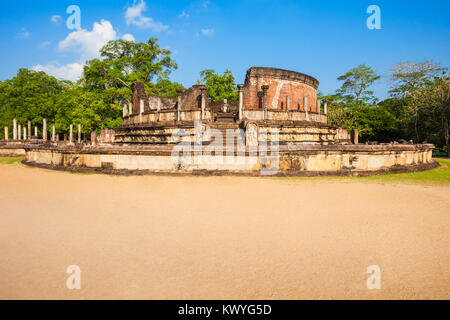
(24, 34)
(71, 71)
(44, 44)
(128, 37)
(55, 19)
(208, 32)
(88, 43)
(134, 16)
(183, 14)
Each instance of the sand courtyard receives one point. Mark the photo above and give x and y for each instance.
(168, 237)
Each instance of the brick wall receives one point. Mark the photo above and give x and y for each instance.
(282, 83)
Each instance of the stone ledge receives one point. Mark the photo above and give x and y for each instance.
(167, 149)
(339, 173)
(283, 74)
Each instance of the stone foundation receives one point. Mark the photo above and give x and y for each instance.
(292, 161)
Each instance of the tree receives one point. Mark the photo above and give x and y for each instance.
(30, 95)
(125, 62)
(437, 105)
(219, 86)
(356, 84)
(409, 80)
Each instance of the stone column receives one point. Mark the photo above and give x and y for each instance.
(53, 133)
(79, 133)
(355, 136)
(203, 103)
(288, 105)
(29, 130)
(71, 134)
(24, 133)
(44, 130)
(241, 101)
(141, 110)
(325, 107)
(158, 109)
(318, 106)
(125, 111)
(35, 132)
(265, 102)
(130, 109)
(19, 132)
(225, 105)
(14, 129)
(93, 138)
(305, 107)
(6, 133)
(179, 105)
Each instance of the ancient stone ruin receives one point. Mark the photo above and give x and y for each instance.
(278, 127)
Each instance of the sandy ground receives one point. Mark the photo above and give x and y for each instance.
(155, 237)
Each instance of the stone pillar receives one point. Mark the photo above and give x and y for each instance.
(241, 101)
(35, 132)
(14, 129)
(179, 105)
(6, 133)
(79, 133)
(355, 136)
(318, 106)
(203, 103)
(225, 105)
(125, 111)
(158, 109)
(71, 134)
(19, 132)
(53, 133)
(44, 130)
(325, 107)
(29, 130)
(24, 133)
(130, 109)
(141, 110)
(265, 88)
(305, 107)
(93, 138)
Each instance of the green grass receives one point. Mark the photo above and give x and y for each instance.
(9, 160)
(437, 176)
(440, 175)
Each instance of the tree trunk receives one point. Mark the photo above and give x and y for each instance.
(415, 128)
(446, 136)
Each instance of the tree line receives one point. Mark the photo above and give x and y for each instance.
(418, 107)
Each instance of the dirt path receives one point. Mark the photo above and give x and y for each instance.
(153, 237)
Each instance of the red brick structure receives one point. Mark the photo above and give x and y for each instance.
(286, 89)
(190, 99)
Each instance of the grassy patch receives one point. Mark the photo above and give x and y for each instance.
(440, 175)
(9, 160)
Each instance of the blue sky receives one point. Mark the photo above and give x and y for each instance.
(321, 38)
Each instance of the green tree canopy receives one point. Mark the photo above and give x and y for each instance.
(219, 86)
(355, 89)
(125, 62)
